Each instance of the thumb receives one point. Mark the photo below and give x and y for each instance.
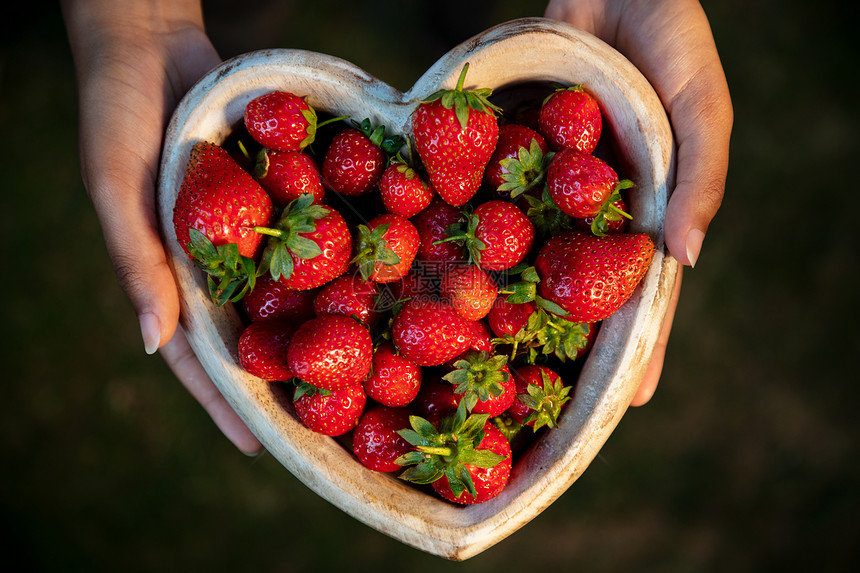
(702, 127)
(128, 220)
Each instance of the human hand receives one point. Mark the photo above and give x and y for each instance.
(134, 62)
(670, 42)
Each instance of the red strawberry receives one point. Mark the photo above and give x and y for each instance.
(564, 339)
(356, 158)
(403, 191)
(394, 380)
(519, 162)
(481, 336)
(272, 300)
(310, 245)
(375, 440)
(348, 295)
(330, 352)
(591, 277)
(544, 214)
(482, 341)
(287, 174)
(455, 133)
(583, 185)
(483, 382)
(329, 412)
(529, 330)
(497, 235)
(571, 118)
(508, 319)
(431, 224)
(263, 349)
(467, 460)
(385, 248)
(540, 395)
(613, 219)
(435, 400)
(281, 120)
(488, 481)
(470, 290)
(216, 210)
(429, 333)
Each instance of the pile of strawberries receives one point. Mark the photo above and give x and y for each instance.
(422, 295)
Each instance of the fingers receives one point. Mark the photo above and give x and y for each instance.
(672, 44)
(702, 121)
(655, 367)
(184, 364)
(120, 153)
(141, 268)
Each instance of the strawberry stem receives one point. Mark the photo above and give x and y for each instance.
(437, 450)
(462, 79)
(332, 120)
(269, 231)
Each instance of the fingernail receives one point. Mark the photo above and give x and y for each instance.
(694, 245)
(150, 329)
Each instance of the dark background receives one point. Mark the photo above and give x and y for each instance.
(745, 460)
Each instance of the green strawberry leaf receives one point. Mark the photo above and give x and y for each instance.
(303, 247)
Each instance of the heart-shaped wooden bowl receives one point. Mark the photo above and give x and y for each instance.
(520, 51)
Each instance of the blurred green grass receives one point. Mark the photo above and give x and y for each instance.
(745, 460)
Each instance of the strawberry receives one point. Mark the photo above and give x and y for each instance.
(488, 481)
(541, 393)
(544, 214)
(507, 319)
(272, 300)
(329, 412)
(496, 236)
(583, 185)
(431, 224)
(481, 341)
(570, 117)
(532, 324)
(310, 245)
(519, 161)
(394, 380)
(513, 324)
(357, 157)
(429, 333)
(216, 210)
(613, 219)
(281, 120)
(386, 247)
(483, 382)
(330, 352)
(470, 290)
(263, 349)
(375, 440)
(455, 133)
(348, 295)
(435, 399)
(467, 459)
(591, 277)
(403, 191)
(562, 338)
(287, 174)
(481, 336)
